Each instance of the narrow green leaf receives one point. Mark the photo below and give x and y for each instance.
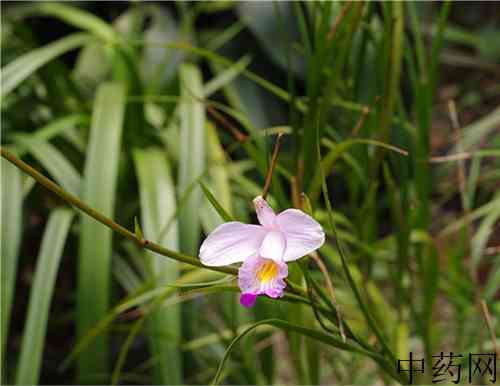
(158, 205)
(477, 131)
(217, 182)
(125, 275)
(485, 230)
(11, 230)
(98, 191)
(493, 283)
(226, 76)
(54, 238)
(60, 126)
(19, 69)
(58, 166)
(91, 65)
(192, 154)
(137, 229)
(79, 18)
(218, 207)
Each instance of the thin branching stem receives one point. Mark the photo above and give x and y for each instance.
(274, 159)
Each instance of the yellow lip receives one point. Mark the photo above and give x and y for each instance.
(267, 271)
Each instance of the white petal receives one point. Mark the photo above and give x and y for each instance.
(231, 242)
(303, 234)
(273, 246)
(265, 213)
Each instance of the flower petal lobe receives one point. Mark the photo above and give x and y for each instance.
(303, 234)
(230, 243)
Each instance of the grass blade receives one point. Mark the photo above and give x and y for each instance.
(19, 69)
(12, 201)
(158, 205)
(51, 250)
(95, 248)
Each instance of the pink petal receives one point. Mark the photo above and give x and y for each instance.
(249, 282)
(275, 292)
(265, 213)
(248, 300)
(303, 234)
(273, 246)
(231, 242)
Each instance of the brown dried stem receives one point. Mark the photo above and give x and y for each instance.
(329, 285)
(274, 159)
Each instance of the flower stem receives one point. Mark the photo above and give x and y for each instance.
(76, 202)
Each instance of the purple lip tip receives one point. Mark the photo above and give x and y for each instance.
(248, 300)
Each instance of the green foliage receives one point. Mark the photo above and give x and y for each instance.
(12, 225)
(95, 247)
(51, 250)
(160, 125)
(157, 195)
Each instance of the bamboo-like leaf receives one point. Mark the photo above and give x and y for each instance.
(192, 164)
(54, 238)
(60, 126)
(79, 18)
(158, 205)
(125, 275)
(218, 182)
(91, 66)
(215, 204)
(12, 200)
(95, 248)
(54, 161)
(226, 76)
(19, 69)
(192, 154)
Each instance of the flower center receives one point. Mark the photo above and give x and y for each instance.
(267, 271)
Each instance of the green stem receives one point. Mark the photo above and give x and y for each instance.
(76, 202)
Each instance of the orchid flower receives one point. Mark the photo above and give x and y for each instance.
(263, 249)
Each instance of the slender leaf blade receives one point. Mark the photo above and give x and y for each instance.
(18, 70)
(55, 162)
(12, 200)
(54, 238)
(192, 154)
(98, 190)
(158, 205)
